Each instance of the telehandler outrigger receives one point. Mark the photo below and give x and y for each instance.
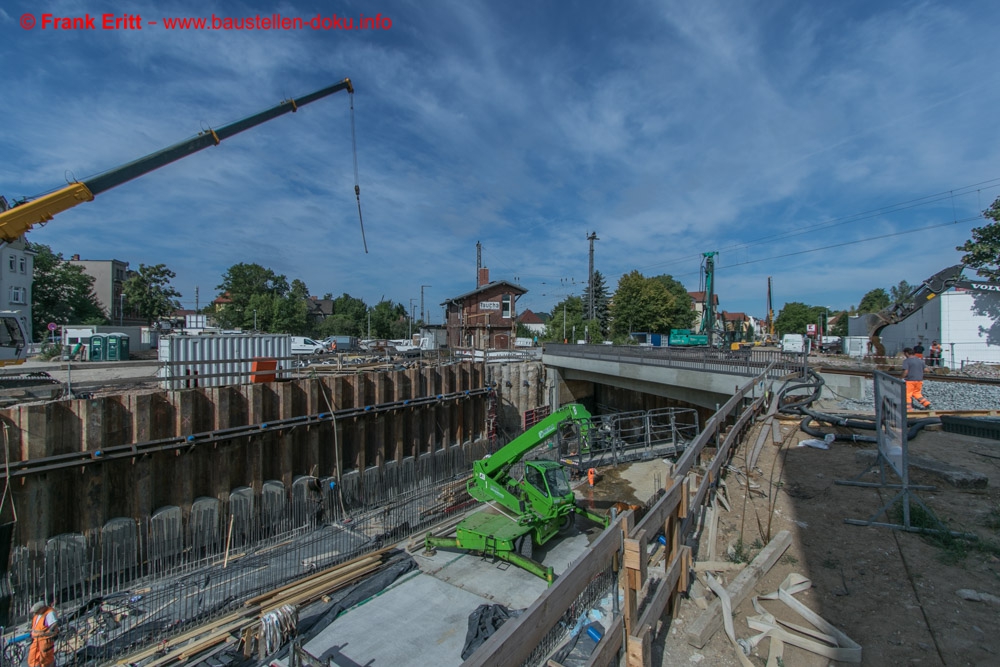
(532, 509)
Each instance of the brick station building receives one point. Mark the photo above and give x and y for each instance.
(486, 317)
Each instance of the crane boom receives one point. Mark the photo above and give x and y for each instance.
(24, 215)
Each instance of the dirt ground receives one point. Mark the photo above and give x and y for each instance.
(892, 592)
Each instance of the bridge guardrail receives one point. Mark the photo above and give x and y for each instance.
(747, 362)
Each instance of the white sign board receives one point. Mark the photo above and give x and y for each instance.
(489, 305)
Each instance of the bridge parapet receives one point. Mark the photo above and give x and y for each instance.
(748, 362)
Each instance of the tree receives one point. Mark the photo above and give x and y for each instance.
(656, 305)
(601, 312)
(874, 301)
(839, 327)
(899, 292)
(389, 320)
(149, 293)
(568, 311)
(982, 251)
(61, 292)
(680, 312)
(241, 283)
(794, 317)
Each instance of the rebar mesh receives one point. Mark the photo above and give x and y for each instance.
(134, 583)
(601, 587)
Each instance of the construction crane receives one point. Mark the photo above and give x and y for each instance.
(706, 330)
(770, 336)
(25, 213)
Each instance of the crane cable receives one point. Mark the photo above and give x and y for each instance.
(357, 187)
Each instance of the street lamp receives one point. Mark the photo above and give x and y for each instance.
(411, 318)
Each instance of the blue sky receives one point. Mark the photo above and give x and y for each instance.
(761, 130)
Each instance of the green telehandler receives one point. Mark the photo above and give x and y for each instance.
(532, 509)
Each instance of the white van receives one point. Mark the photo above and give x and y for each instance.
(794, 343)
(302, 345)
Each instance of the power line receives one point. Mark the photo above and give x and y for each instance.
(846, 219)
(865, 240)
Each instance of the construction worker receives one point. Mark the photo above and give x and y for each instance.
(44, 630)
(935, 355)
(918, 350)
(913, 373)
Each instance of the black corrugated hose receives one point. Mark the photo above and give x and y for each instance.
(800, 406)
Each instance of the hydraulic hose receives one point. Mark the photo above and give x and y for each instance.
(800, 406)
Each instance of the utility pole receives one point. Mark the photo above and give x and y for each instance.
(121, 310)
(422, 302)
(411, 318)
(590, 276)
(196, 308)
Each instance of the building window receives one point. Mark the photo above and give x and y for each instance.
(22, 265)
(18, 294)
(13, 263)
(508, 306)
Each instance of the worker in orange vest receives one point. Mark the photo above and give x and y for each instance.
(44, 630)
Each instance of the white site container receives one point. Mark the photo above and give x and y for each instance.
(855, 346)
(216, 360)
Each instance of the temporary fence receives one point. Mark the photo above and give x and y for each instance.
(620, 437)
(623, 549)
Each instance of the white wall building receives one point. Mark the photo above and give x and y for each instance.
(966, 323)
(17, 267)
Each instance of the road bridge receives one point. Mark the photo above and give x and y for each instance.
(704, 377)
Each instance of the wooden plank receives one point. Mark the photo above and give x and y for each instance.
(296, 584)
(658, 513)
(775, 432)
(717, 566)
(661, 596)
(759, 445)
(606, 652)
(517, 638)
(638, 651)
(710, 621)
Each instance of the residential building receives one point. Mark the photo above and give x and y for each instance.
(486, 317)
(16, 272)
(698, 303)
(533, 322)
(109, 279)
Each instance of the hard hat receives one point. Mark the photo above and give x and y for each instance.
(38, 606)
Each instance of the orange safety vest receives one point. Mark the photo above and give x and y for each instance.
(43, 643)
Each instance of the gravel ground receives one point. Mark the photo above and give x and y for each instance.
(942, 395)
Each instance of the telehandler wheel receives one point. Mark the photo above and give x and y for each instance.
(525, 546)
(567, 524)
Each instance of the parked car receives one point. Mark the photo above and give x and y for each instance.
(301, 345)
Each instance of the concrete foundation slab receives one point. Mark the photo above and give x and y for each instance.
(419, 621)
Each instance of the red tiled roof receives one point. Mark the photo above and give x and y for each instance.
(699, 297)
(528, 317)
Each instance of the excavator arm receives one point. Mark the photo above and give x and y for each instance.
(916, 299)
(497, 465)
(18, 219)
